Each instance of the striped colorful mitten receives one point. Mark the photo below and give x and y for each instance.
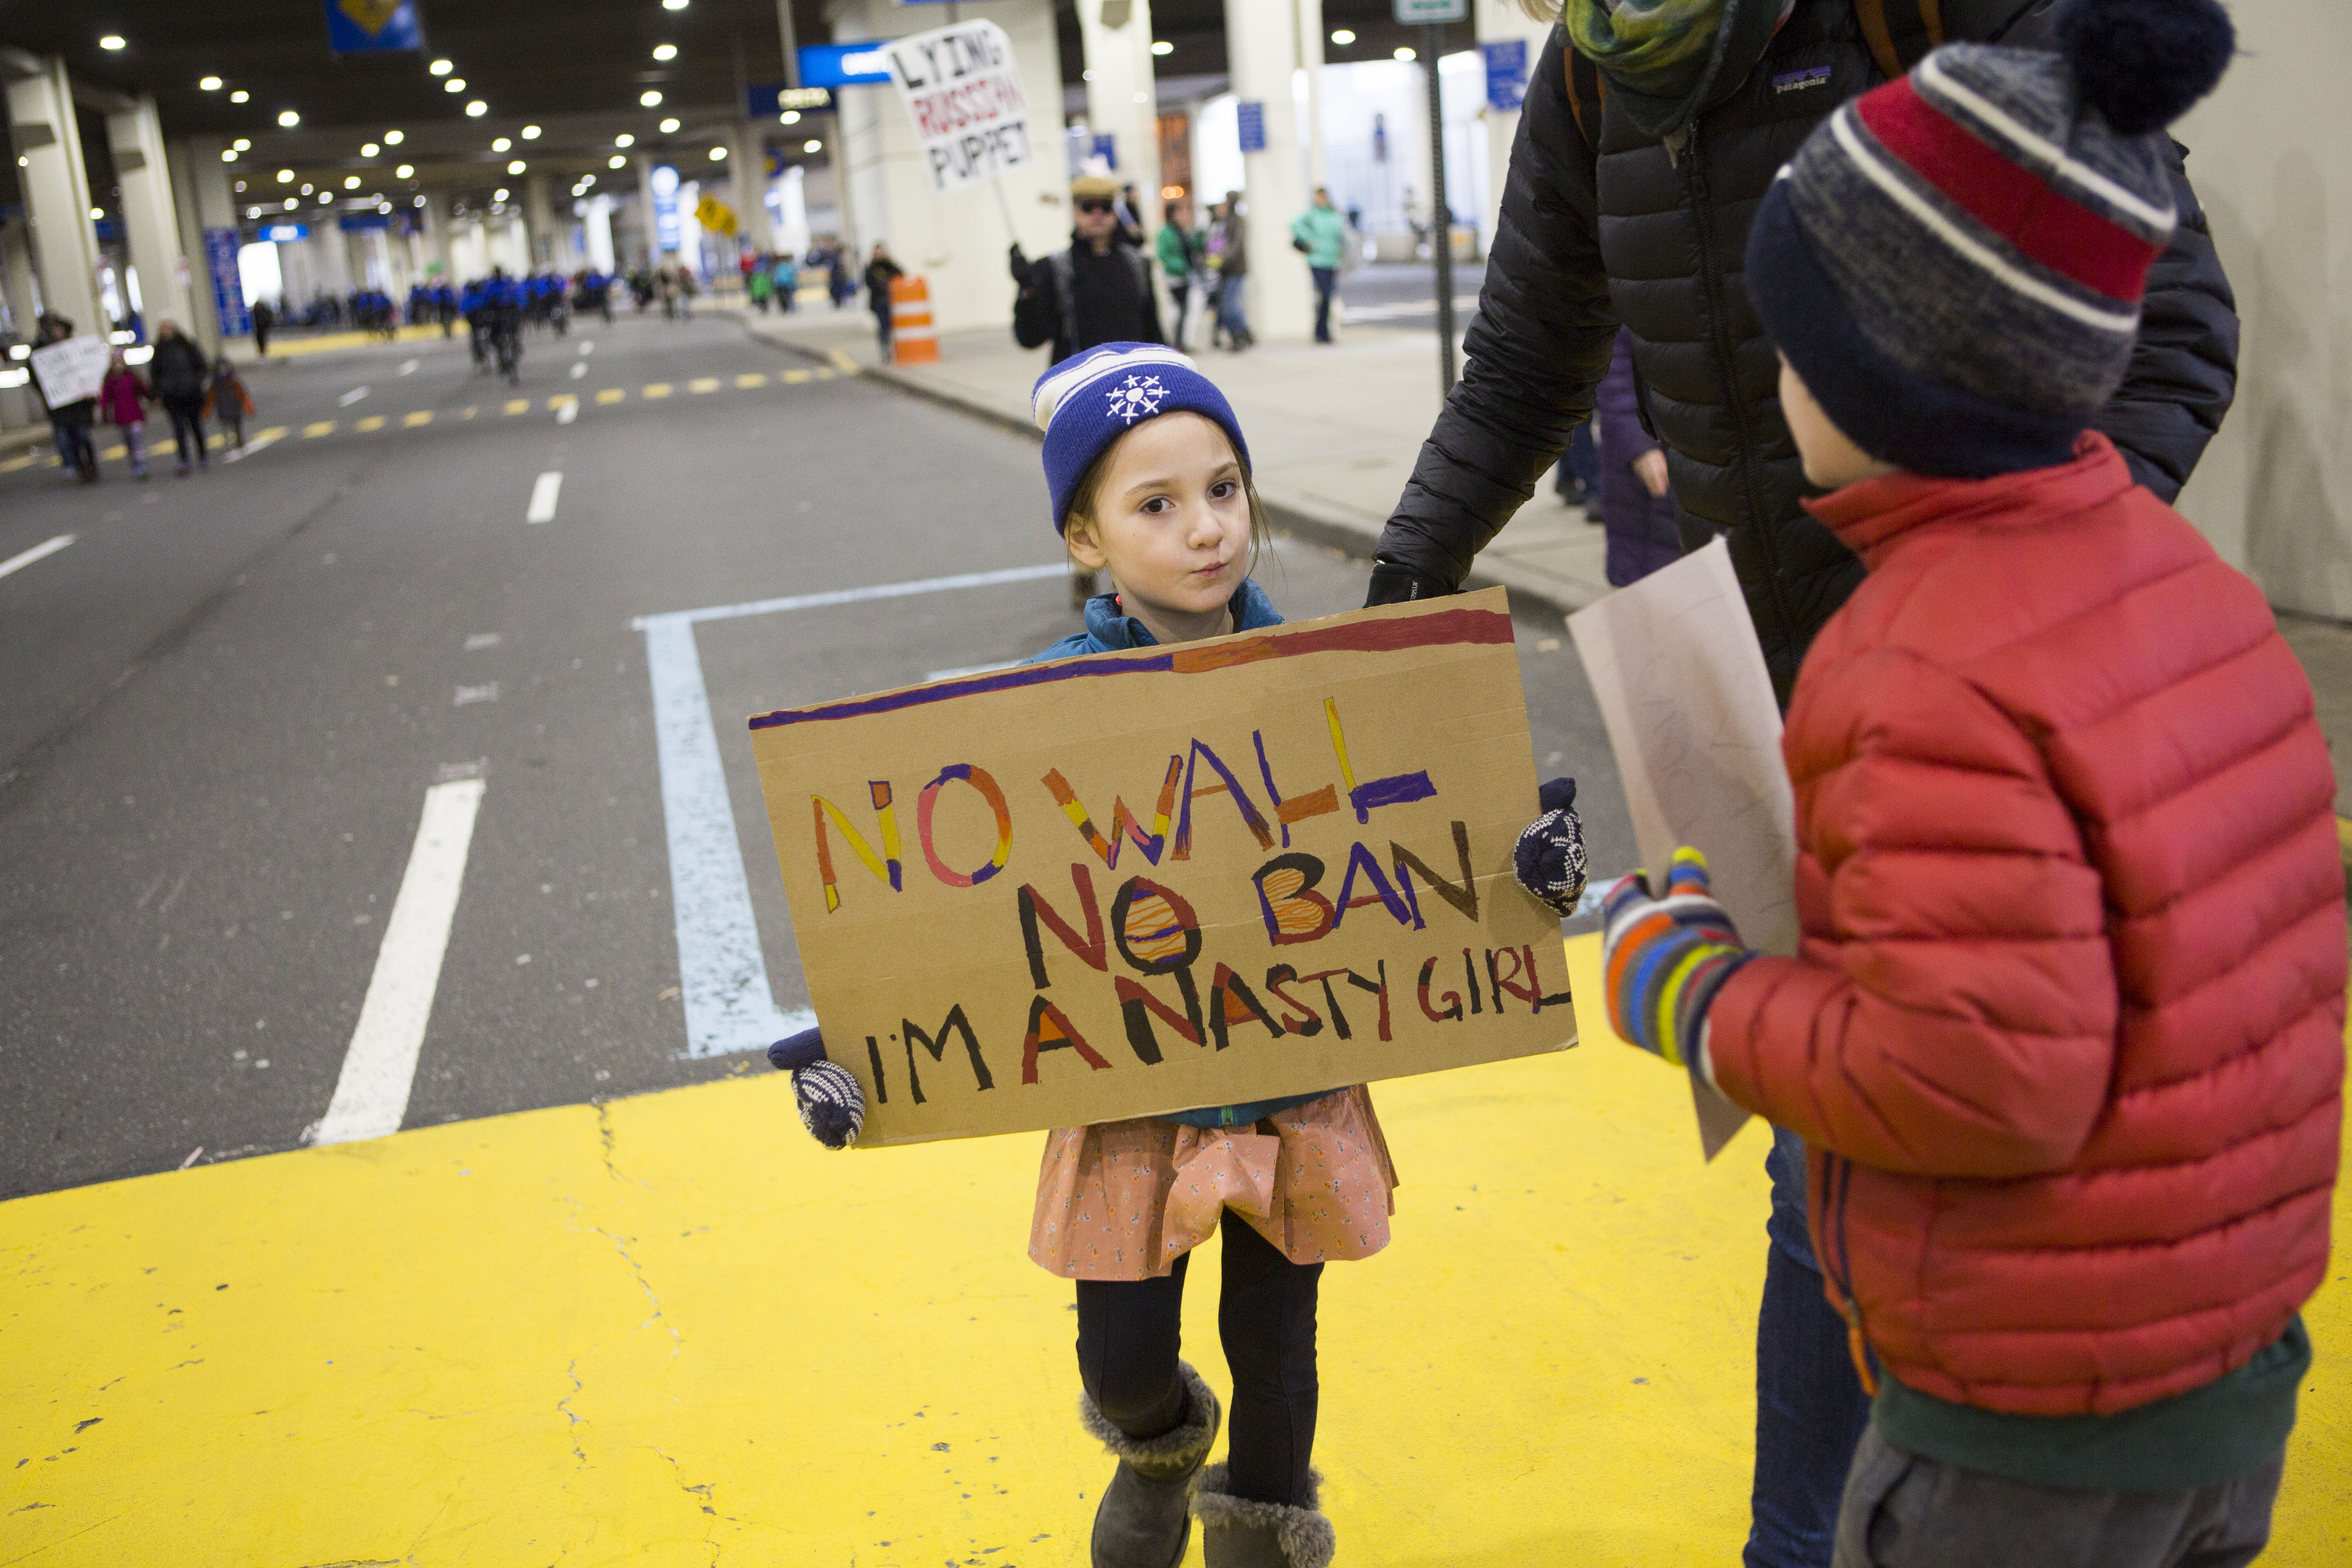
(1666, 958)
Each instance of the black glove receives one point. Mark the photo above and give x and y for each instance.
(1020, 259)
(833, 1108)
(1549, 860)
(1397, 584)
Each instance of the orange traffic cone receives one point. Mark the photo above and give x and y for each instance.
(913, 339)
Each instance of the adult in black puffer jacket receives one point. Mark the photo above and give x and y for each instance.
(1660, 227)
(179, 374)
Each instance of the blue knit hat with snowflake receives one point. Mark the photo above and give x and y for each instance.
(1091, 399)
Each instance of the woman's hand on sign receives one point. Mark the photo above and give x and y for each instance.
(832, 1106)
(1549, 860)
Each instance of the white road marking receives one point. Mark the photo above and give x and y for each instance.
(475, 641)
(256, 445)
(587, 347)
(353, 395)
(579, 369)
(543, 494)
(565, 412)
(724, 974)
(471, 694)
(407, 366)
(372, 1094)
(971, 669)
(22, 558)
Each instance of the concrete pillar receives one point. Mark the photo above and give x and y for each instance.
(1500, 21)
(836, 154)
(539, 219)
(1261, 56)
(1307, 27)
(57, 194)
(19, 284)
(1121, 100)
(655, 253)
(957, 240)
(748, 156)
(597, 224)
(436, 241)
(151, 218)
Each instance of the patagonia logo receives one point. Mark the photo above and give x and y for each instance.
(1799, 80)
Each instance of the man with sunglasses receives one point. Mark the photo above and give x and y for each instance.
(1096, 291)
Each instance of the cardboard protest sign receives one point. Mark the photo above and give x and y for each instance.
(70, 370)
(1682, 687)
(963, 90)
(1264, 865)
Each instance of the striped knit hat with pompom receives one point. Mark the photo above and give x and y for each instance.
(1954, 262)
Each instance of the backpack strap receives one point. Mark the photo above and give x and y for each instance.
(1900, 33)
(1587, 94)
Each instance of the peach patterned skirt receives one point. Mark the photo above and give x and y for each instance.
(1123, 1200)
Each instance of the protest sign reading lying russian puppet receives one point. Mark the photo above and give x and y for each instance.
(71, 369)
(1224, 873)
(963, 90)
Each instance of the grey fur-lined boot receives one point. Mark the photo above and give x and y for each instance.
(1238, 1532)
(1143, 1522)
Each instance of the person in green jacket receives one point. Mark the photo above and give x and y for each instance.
(1182, 250)
(760, 287)
(1321, 233)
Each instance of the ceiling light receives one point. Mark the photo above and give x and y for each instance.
(665, 51)
(210, 84)
(96, 213)
(392, 138)
(477, 109)
(239, 95)
(384, 206)
(500, 145)
(673, 5)
(242, 144)
(351, 182)
(285, 176)
(253, 212)
(624, 140)
(1086, 76)
(516, 167)
(789, 117)
(455, 84)
(370, 150)
(417, 203)
(308, 187)
(1162, 46)
(616, 162)
(441, 68)
(718, 154)
(1342, 37)
(289, 119)
(500, 197)
(649, 98)
(812, 146)
(587, 179)
(670, 127)
(240, 185)
(325, 199)
(1405, 54)
(404, 171)
(531, 132)
(228, 154)
(289, 204)
(112, 41)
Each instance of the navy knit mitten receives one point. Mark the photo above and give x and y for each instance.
(833, 1108)
(1549, 860)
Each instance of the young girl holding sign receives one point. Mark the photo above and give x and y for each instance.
(1150, 480)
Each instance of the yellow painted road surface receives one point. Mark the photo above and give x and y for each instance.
(673, 1332)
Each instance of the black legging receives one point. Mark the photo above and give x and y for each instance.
(1127, 1341)
(187, 427)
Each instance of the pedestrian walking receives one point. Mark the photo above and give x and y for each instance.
(69, 423)
(760, 287)
(838, 282)
(2064, 1035)
(1154, 487)
(180, 374)
(1649, 137)
(786, 274)
(1320, 234)
(1098, 290)
(228, 404)
(1182, 265)
(264, 318)
(1233, 275)
(880, 272)
(1637, 502)
(122, 399)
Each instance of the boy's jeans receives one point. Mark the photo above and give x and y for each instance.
(1810, 1411)
(1903, 1511)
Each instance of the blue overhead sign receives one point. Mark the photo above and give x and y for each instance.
(285, 233)
(228, 289)
(356, 223)
(1506, 74)
(1249, 120)
(668, 235)
(372, 27)
(762, 99)
(844, 64)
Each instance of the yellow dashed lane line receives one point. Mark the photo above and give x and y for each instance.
(703, 384)
(372, 422)
(518, 406)
(611, 395)
(411, 421)
(656, 389)
(321, 428)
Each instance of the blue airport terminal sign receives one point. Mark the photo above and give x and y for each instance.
(844, 64)
(1506, 74)
(228, 289)
(372, 26)
(284, 232)
(1249, 120)
(668, 234)
(763, 99)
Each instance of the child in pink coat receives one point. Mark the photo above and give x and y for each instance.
(122, 399)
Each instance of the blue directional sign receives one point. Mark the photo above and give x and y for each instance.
(669, 233)
(228, 289)
(844, 64)
(1506, 74)
(285, 233)
(372, 26)
(762, 99)
(1249, 117)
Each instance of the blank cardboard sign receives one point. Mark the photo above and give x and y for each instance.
(1228, 871)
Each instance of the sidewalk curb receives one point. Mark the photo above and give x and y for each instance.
(1315, 525)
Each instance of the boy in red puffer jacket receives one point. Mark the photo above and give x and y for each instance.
(2065, 1035)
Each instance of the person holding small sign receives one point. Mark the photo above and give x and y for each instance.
(1149, 480)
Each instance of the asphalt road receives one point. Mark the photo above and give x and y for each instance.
(227, 699)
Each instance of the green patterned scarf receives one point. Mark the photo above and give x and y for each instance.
(1669, 60)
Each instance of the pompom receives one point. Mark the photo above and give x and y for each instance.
(2141, 63)
(833, 1108)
